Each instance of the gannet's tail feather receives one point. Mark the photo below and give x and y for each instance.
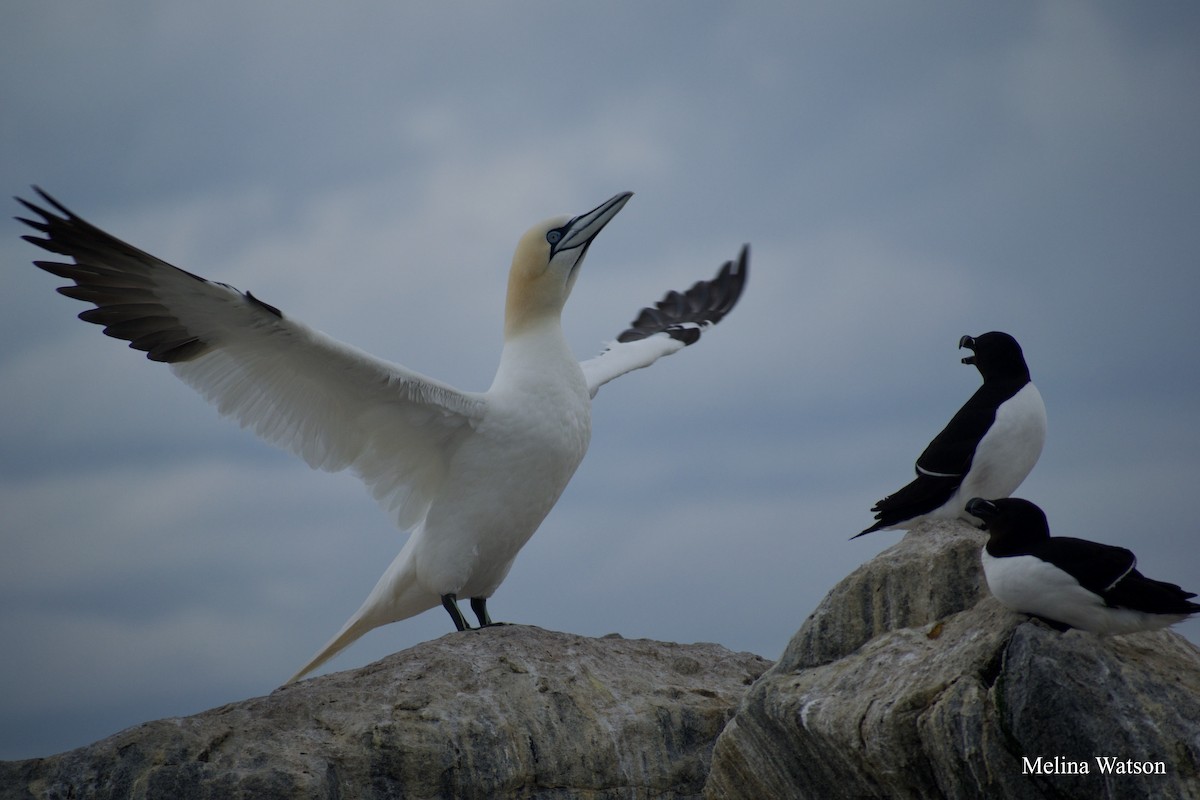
(350, 633)
(396, 596)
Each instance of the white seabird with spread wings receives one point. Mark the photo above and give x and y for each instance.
(471, 474)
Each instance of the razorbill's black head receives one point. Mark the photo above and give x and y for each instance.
(986, 449)
(997, 356)
(1071, 583)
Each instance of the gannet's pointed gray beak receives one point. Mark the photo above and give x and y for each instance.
(580, 231)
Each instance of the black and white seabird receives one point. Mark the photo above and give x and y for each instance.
(1070, 583)
(987, 448)
(471, 474)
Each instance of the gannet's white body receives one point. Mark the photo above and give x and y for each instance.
(471, 474)
(504, 469)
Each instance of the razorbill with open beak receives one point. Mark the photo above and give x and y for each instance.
(987, 448)
(471, 474)
(1070, 583)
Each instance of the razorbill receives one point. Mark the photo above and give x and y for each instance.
(471, 474)
(987, 448)
(1071, 583)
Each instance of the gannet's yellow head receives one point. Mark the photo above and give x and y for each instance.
(546, 264)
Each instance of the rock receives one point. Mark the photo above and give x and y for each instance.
(925, 578)
(511, 711)
(911, 681)
(908, 681)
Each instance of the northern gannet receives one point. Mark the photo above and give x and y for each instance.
(1071, 583)
(471, 474)
(986, 449)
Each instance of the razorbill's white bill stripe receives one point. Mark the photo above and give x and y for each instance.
(472, 474)
(987, 448)
(1070, 583)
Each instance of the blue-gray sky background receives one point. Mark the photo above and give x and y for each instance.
(905, 174)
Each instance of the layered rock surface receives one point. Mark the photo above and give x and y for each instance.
(910, 681)
(511, 711)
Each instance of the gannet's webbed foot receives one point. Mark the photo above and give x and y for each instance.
(450, 603)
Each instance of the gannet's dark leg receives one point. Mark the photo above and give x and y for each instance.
(479, 606)
(450, 603)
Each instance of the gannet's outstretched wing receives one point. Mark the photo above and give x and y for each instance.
(675, 322)
(330, 404)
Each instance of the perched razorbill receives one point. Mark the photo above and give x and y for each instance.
(1071, 583)
(986, 449)
(472, 474)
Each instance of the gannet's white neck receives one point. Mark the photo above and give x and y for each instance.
(538, 287)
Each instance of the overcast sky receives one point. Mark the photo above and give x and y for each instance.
(905, 174)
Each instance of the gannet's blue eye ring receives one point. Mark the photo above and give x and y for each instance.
(553, 236)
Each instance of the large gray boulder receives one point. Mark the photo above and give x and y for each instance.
(511, 711)
(910, 681)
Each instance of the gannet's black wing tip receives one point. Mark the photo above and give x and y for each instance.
(684, 315)
(126, 286)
